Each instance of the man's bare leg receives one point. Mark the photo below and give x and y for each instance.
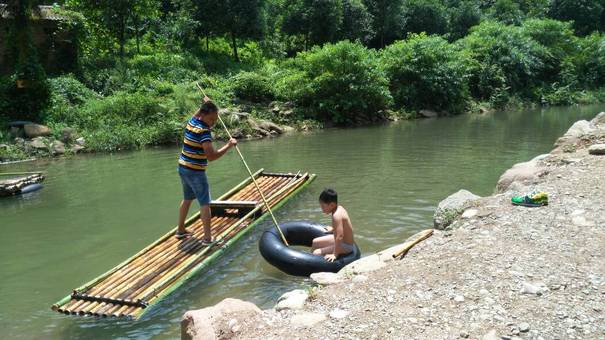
(205, 215)
(183, 210)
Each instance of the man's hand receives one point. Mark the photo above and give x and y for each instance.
(232, 142)
(329, 229)
(206, 99)
(330, 257)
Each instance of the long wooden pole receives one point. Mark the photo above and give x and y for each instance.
(21, 173)
(250, 172)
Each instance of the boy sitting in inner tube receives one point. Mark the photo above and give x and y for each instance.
(341, 242)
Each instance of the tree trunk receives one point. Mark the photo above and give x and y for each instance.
(207, 43)
(234, 42)
(137, 33)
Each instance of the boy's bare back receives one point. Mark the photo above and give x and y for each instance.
(341, 218)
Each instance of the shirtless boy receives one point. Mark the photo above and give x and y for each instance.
(341, 242)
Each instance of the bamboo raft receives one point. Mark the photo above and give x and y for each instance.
(131, 288)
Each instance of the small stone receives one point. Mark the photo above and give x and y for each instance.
(597, 149)
(524, 327)
(295, 299)
(80, 141)
(464, 335)
(326, 278)
(338, 313)
(470, 213)
(459, 298)
(529, 288)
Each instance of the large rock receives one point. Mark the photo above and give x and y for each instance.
(271, 127)
(599, 120)
(39, 143)
(293, 300)
(452, 207)
(213, 322)
(57, 147)
(597, 149)
(525, 173)
(363, 265)
(36, 130)
(576, 132)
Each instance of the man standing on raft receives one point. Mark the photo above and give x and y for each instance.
(341, 243)
(197, 151)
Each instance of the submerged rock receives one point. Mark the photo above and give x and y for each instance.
(450, 208)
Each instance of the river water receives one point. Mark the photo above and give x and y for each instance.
(97, 210)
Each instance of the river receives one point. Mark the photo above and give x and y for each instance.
(97, 210)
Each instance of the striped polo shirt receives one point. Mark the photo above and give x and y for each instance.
(192, 155)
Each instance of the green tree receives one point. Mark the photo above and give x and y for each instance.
(506, 11)
(387, 21)
(28, 94)
(587, 15)
(424, 16)
(462, 16)
(316, 21)
(114, 19)
(356, 22)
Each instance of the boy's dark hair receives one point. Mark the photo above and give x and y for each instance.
(208, 107)
(328, 196)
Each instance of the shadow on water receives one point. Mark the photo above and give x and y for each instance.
(96, 210)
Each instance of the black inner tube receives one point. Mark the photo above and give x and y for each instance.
(297, 262)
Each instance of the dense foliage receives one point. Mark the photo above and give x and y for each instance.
(338, 61)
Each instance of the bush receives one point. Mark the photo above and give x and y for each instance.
(505, 60)
(426, 72)
(341, 83)
(251, 86)
(589, 63)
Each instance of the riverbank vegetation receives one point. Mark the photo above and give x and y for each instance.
(333, 62)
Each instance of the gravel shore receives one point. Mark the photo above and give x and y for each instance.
(500, 272)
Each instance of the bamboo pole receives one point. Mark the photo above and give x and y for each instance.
(22, 173)
(415, 239)
(250, 172)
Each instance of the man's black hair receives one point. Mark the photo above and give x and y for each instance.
(208, 107)
(328, 196)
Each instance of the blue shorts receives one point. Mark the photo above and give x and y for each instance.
(195, 185)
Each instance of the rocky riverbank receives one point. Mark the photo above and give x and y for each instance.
(495, 271)
(28, 140)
